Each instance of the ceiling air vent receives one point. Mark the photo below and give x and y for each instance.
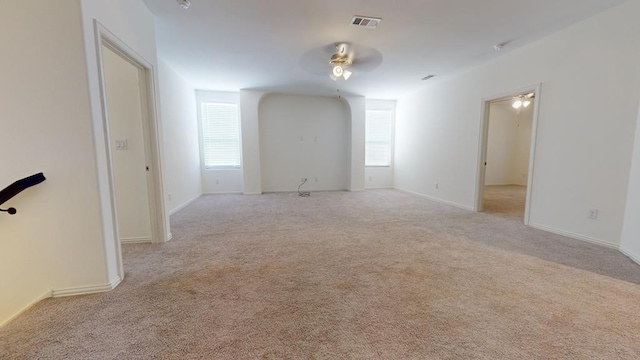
(365, 21)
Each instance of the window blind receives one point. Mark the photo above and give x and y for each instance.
(378, 138)
(220, 135)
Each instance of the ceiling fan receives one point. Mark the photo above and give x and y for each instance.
(342, 59)
(523, 100)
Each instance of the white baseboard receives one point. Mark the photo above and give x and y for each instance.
(85, 290)
(575, 236)
(224, 193)
(509, 184)
(379, 188)
(350, 190)
(630, 255)
(136, 240)
(184, 205)
(25, 308)
(310, 190)
(446, 202)
(252, 193)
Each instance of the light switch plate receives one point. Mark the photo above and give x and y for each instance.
(122, 144)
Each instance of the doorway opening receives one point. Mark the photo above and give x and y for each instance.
(132, 143)
(507, 151)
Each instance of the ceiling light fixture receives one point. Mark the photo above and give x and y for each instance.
(522, 101)
(340, 61)
(184, 3)
(337, 71)
(517, 103)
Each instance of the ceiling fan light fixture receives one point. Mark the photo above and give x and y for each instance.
(517, 103)
(333, 77)
(526, 102)
(184, 3)
(337, 71)
(346, 74)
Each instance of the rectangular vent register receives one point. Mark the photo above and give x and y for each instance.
(365, 21)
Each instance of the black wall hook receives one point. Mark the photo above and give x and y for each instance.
(17, 187)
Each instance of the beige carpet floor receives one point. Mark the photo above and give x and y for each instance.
(370, 275)
(505, 200)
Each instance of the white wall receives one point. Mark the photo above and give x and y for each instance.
(630, 243)
(587, 113)
(125, 124)
(181, 139)
(55, 241)
(508, 144)
(378, 177)
(220, 181)
(250, 129)
(520, 173)
(357, 110)
(303, 136)
(252, 169)
(381, 177)
(133, 24)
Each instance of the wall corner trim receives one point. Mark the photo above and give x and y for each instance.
(446, 202)
(569, 234)
(630, 255)
(187, 203)
(25, 308)
(85, 290)
(136, 240)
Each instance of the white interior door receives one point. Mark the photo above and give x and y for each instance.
(129, 151)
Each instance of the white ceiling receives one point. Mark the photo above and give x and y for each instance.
(284, 45)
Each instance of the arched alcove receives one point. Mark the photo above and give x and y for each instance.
(304, 137)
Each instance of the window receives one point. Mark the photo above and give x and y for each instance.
(220, 135)
(378, 138)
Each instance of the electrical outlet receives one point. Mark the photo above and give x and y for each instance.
(437, 186)
(593, 214)
(315, 179)
(217, 181)
(169, 196)
(302, 179)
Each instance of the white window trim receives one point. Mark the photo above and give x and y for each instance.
(203, 96)
(388, 105)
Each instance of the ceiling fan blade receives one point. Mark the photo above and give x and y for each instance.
(316, 61)
(366, 64)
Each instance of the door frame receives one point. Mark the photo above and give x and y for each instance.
(484, 138)
(151, 134)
